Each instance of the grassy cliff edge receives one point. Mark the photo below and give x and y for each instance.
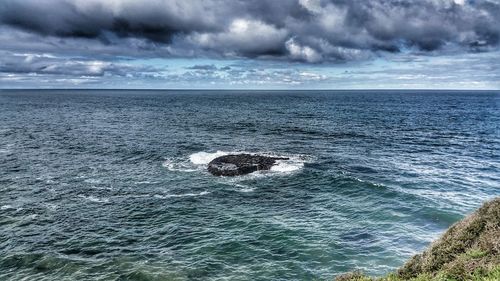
(468, 250)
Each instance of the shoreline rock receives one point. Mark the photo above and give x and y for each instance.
(241, 164)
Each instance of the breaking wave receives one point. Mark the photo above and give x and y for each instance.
(166, 196)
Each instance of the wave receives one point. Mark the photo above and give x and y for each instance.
(179, 165)
(203, 158)
(92, 181)
(244, 188)
(94, 199)
(235, 182)
(166, 196)
(288, 166)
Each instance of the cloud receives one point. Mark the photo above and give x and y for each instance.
(47, 64)
(243, 37)
(306, 30)
(244, 76)
(302, 52)
(157, 21)
(286, 43)
(468, 71)
(203, 67)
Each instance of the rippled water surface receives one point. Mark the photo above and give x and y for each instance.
(111, 185)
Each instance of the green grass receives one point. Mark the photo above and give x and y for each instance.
(468, 250)
(475, 253)
(491, 275)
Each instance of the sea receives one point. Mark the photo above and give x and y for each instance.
(112, 184)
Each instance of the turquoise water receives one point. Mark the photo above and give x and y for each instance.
(111, 185)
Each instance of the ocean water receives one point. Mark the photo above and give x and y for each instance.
(111, 185)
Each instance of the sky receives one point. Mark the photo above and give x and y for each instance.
(250, 44)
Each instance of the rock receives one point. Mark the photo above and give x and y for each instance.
(241, 164)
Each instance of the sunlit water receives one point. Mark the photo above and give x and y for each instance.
(111, 185)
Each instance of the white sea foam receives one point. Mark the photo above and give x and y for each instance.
(179, 165)
(94, 199)
(244, 188)
(92, 181)
(234, 182)
(6, 207)
(288, 166)
(203, 158)
(102, 187)
(48, 179)
(197, 161)
(166, 196)
(146, 182)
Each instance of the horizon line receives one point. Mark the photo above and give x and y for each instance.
(241, 89)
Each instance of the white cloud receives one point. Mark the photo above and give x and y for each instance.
(243, 37)
(311, 5)
(300, 52)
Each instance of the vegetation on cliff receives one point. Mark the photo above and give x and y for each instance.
(468, 250)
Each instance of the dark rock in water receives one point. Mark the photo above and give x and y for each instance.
(241, 164)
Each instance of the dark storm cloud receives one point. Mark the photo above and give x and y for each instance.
(156, 20)
(303, 30)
